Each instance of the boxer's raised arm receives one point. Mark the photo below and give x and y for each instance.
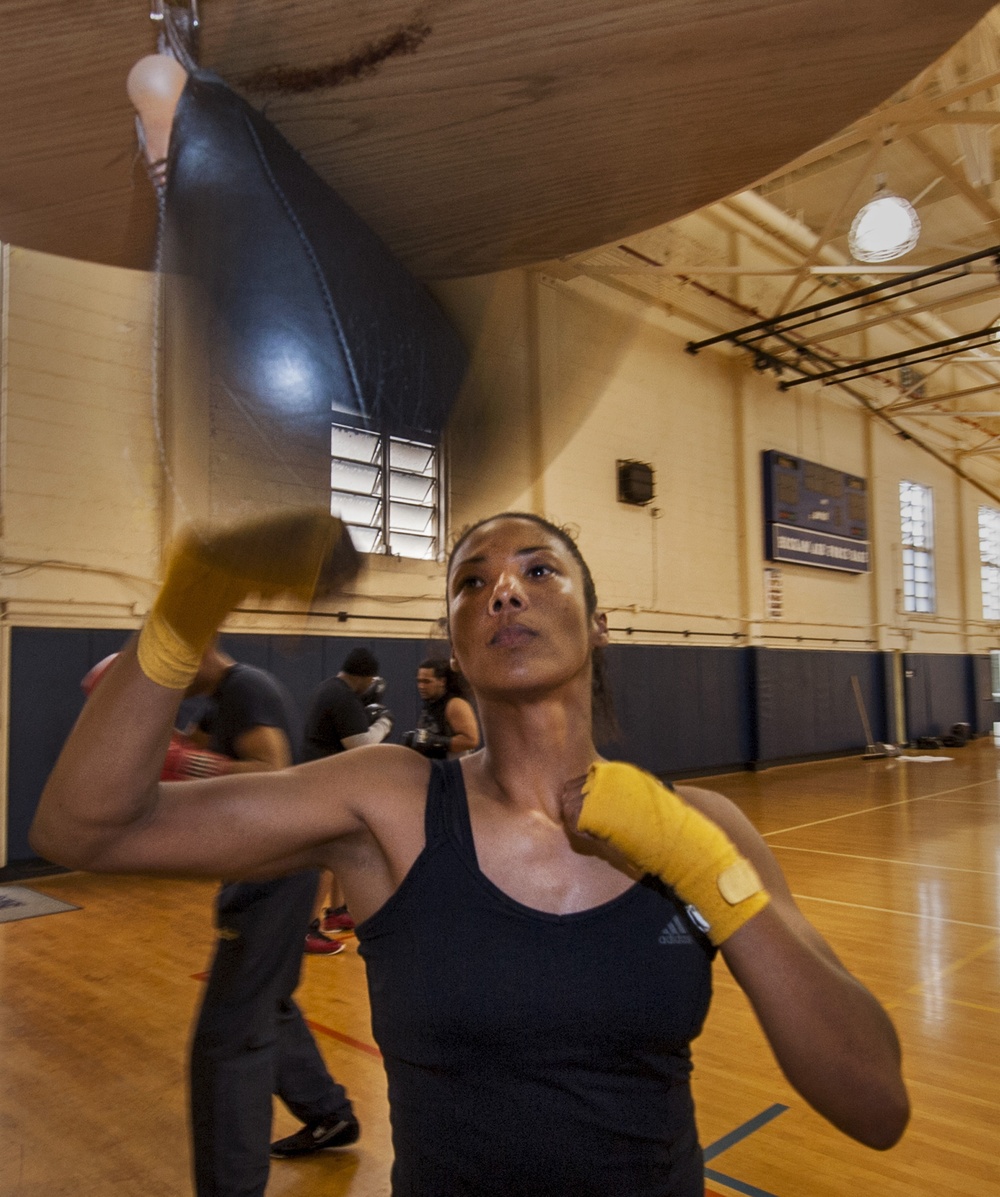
(103, 807)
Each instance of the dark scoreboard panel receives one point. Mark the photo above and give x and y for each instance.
(802, 494)
(814, 515)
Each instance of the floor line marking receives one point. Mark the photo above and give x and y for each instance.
(950, 969)
(360, 1044)
(910, 914)
(738, 1185)
(918, 864)
(869, 810)
(973, 1005)
(741, 1132)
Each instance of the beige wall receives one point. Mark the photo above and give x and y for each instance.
(80, 494)
(567, 377)
(94, 480)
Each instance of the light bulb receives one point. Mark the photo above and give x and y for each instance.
(885, 228)
(154, 86)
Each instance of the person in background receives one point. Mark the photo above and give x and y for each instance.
(447, 726)
(345, 712)
(250, 1039)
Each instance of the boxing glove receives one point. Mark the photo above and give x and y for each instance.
(211, 570)
(95, 673)
(428, 743)
(659, 831)
(375, 710)
(375, 691)
(186, 760)
(379, 721)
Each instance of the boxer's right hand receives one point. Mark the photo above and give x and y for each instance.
(304, 553)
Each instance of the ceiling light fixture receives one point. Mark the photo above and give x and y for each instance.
(885, 228)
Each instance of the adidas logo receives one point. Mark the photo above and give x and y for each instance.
(675, 932)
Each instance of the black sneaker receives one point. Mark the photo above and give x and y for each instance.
(318, 1136)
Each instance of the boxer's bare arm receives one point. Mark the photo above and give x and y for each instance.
(104, 809)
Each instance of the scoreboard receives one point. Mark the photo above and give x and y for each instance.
(814, 515)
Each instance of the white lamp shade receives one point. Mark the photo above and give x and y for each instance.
(885, 228)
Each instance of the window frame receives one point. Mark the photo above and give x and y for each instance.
(395, 521)
(917, 552)
(989, 562)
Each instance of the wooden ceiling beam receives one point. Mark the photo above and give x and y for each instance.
(983, 206)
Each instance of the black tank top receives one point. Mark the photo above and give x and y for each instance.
(432, 716)
(531, 1054)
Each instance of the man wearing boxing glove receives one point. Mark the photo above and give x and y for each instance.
(250, 1038)
(447, 725)
(346, 711)
(186, 758)
(339, 716)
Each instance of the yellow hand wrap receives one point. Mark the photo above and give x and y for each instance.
(662, 834)
(212, 570)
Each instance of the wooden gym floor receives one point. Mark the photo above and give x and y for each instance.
(897, 863)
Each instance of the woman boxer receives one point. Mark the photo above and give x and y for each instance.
(538, 925)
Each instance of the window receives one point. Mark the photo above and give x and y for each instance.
(385, 488)
(989, 560)
(917, 519)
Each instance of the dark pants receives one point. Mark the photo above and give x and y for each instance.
(250, 1040)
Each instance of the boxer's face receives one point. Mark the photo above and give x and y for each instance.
(429, 685)
(518, 610)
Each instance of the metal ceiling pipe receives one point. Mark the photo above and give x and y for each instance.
(763, 214)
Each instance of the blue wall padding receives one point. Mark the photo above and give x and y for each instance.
(48, 663)
(681, 708)
(805, 702)
(302, 662)
(939, 690)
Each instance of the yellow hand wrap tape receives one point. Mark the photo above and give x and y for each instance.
(212, 571)
(164, 657)
(662, 834)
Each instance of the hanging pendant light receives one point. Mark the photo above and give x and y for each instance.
(886, 227)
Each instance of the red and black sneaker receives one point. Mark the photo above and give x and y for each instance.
(318, 944)
(337, 921)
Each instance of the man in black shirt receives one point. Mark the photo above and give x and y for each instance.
(338, 719)
(250, 1039)
(338, 716)
(343, 714)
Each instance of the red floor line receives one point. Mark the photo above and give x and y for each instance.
(370, 1048)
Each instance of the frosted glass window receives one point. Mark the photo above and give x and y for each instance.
(916, 515)
(386, 490)
(353, 445)
(989, 557)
